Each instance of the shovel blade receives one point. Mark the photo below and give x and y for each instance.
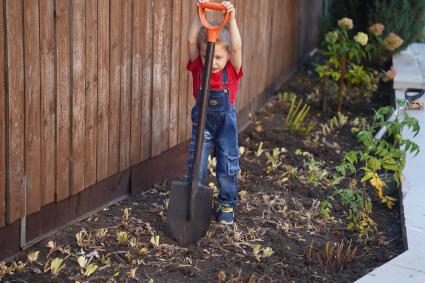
(188, 231)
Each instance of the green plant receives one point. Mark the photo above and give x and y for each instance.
(315, 172)
(291, 170)
(274, 159)
(344, 55)
(334, 124)
(295, 121)
(285, 98)
(377, 155)
(259, 150)
(358, 205)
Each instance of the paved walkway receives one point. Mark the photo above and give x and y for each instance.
(409, 267)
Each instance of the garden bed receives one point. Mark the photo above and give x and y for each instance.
(278, 236)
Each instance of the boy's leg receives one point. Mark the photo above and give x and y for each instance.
(228, 165)
(206, 150)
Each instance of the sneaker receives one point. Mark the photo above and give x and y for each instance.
(225, 215)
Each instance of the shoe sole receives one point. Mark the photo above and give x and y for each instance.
(226, 223)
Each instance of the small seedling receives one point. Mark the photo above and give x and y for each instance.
(259, 150)
(122, 237)
(155, 241)
(56, 266)
(132, 273)
(33, 256)
(274, 159)
(101, 233)
(126, 214)
(90, 269)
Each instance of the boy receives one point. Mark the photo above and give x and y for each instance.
(221, 127)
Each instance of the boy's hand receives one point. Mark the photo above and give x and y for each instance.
(198, 2)
(230, 9)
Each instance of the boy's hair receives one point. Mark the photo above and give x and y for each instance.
(223, 37)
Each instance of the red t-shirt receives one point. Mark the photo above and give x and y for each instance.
(215, 83)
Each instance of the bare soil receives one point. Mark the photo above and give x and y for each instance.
(277, 221)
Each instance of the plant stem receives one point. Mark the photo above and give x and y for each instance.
(341, 87)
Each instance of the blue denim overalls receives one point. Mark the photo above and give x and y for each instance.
(221, 132)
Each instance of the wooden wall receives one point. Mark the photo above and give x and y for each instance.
(89, 88)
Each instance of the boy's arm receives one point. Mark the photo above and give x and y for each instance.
(235, 38)
(192, 39)
(193, 34)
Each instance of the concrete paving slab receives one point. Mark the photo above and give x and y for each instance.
(418, 160)
(393, 274)
(414, 197)
(419, 52)
(408, 72)
(408, 133)
(412, 260)
(415, 216)
(415, 175)
(415, 239)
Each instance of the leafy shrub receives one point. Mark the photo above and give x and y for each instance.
(374, 156)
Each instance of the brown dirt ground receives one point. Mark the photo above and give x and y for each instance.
(276, 210)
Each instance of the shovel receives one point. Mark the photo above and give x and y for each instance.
(190, 205)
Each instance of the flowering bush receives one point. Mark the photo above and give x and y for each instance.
(348, 59)
(343, 57)
(382, 48)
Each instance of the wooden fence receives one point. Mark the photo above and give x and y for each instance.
(89, 88)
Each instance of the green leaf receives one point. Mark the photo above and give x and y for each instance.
(33, 256)
(56, 265)
(82, 261)
(256, 249)
(267, 252)
(90, 269)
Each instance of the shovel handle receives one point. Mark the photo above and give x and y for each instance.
(213, 30)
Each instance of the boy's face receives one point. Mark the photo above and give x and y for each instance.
(221, 56)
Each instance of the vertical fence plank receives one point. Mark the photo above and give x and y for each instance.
(147, 54)
(32, 105)
(63, 133)
(189, 89)
(157, 95)
(103, 90)
(161, 79)
(16, 106)
(270, 41)
(90, 123)
(264, 39)
(115, 81)
(240, 14)
(2, 122)
(166, 32)
(47, 91)
(175, 68)
(125, 85)
(136, 82)
(78, 94)
(249, 30)
(184, 76)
